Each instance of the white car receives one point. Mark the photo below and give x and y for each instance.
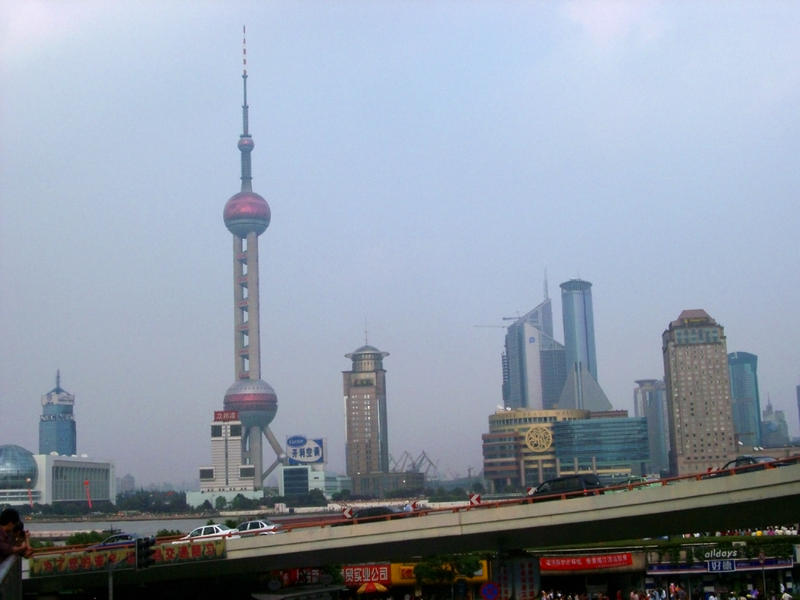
(208, 532)
(262, 527)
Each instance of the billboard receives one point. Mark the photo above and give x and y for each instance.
(301, 450)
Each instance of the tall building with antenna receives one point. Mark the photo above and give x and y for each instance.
(57, 431)
(533, 361)
(366, 424)
(250, 402)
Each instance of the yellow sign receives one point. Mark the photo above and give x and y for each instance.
(403, 574)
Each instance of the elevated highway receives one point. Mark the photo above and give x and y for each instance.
(670, 507)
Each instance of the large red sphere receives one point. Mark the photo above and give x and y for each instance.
(254, 399)
(246, 212)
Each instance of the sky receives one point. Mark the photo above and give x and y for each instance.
(425, 163)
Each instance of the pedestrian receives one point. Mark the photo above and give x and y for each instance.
(9, 542)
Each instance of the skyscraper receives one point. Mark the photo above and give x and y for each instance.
(533, 362)
(774, 428)
(576, 308)
(650, 401)
(366, 431)
(247, 215)
(744, 398)
(581, 390)
(698, 393)
(57, 431)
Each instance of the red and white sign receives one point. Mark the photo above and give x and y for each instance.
(585, 563)
(376, 573)
(226, 415)
(529, 491)
(474, 499)
(347, 513)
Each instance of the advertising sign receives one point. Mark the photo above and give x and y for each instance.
(374, 573)
(226, 415)
(74, 562)
(303, 451)
(403, 574)
(585, 563)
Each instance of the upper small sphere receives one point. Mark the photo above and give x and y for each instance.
(246, 212)
(246, 144)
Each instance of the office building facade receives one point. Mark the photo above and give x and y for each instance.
(742, 368)
(581, 390)
(774, 428)
(578, 317)
(533, 361)
(696, 375)
(650, 402)
(524, 447)
(57, 431)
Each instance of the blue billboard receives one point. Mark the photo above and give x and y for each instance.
(301, 450)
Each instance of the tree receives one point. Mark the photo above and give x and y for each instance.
(220, 503)
(446, 567)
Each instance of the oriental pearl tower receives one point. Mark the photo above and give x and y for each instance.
(247, 216)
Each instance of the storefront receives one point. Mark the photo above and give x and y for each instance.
(725, 572)
(398, 580)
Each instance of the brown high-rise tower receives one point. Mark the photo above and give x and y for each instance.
(698, 394)
(367, 438)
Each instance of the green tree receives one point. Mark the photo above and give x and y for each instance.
(445, 568)
(220, 503)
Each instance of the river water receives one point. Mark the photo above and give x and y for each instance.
(143, 527)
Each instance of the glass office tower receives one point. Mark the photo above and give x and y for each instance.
(746, 406)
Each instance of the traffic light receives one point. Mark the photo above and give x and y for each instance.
(145, 552)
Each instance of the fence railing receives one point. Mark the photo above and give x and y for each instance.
(11, 578)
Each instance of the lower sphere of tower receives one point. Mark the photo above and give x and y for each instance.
(246, 212)
(254, 399)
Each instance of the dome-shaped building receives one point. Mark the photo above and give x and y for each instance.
(17, 468)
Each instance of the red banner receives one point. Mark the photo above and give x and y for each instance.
(585, 563)
(73, 562)
(226, 415)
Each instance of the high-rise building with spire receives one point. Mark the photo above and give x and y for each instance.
(250, 402)
(57, 432)
(533, 361)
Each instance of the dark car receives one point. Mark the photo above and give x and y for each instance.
(118, 540)
(374, 511)
(367, 514)
(745, 464)
(571, 485)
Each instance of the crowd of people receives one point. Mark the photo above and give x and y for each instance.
(13, 537)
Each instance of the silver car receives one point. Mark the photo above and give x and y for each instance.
(208, 532)
(259, 527)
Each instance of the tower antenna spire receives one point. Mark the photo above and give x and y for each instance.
(546, 295)
(245, 140)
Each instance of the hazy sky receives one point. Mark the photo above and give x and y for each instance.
(425, 162)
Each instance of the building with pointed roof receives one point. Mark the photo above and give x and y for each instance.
(533, 361)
